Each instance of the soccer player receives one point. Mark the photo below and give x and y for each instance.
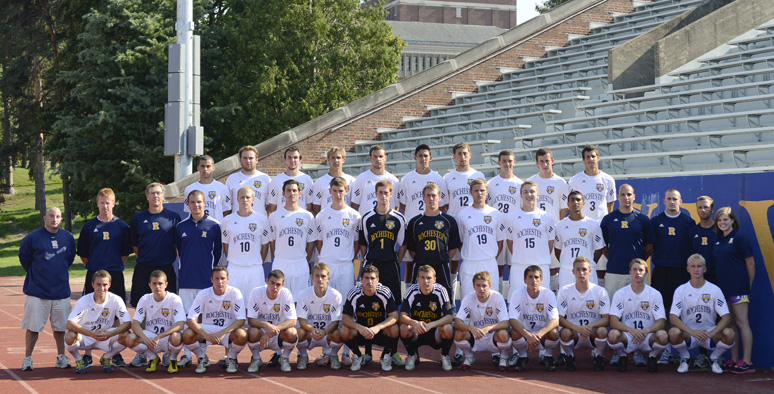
(426, 318)
(584, 313)
(370, 315)
(46, 254)
(105, 244)
(534, 318)
(222, 312)
(338, 228)
(164, 318)
(364, 196)
(249, 176)
(597, 186)
(530, 235)
(577, 236)
(218, 198)
(703, 235)
(503, 194)
(321, 196)
(246, 236)
(271, 315)
(293, 234)
(487, 324)
(482, 230)
(410, 196)
(90, 324)
(292, 172)
(319, 315)
(637, 319)
(695, 308)
(433, 238)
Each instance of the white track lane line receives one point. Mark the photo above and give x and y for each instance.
(157, 387)
(275, 383)
(399, 382)
(524, 381)
(18, 379)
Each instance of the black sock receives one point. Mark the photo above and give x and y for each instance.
(408, 343)
(367, 348)
(446, 346)
(391, 346)
(352, 343)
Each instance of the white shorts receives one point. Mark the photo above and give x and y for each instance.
(37, 312)
(89, 343)
(187, 296)
(643, 346)
(162, 345)
(296, 274)
(469, 268)
(323, 343)
(273, 342)
(554, 262)
(486, 344)
(211, 328)
(246, 278)
(694, 343)
(516, 278)
(566, 276)
(602, 263)
(342, 277)
(505, 256)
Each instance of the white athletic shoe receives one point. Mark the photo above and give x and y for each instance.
(614, 360)
(387, 363)
(346, 360)
(255, 365)
(683, 368)
(411, 362)
(139, 360)
(302, 362)
(184, 361)
(446, 363)
(716, 368)
(201, 366)
(231, 365)
(284, 364)
(62, 362)
(355, 366)
(666, 358)
(27, 364)
(335, 363)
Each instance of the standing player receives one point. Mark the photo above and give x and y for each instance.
(534, 318)
(487, 327)
(503, 194)
(433, 238)
(364, 196)
(319, 315)
(321, 196)
(249, 176)
(222, 312)
(530, 235)
(90, 324)
(370, 316)
(426, 318)
(218, 198)
(597, 186)
(338, 228)
(577, 236)
(584, 313)
(293, 234)
(695, 308)
(637, 319)
(703, 235)
(271, 314)
(292, 172)
(164, 318)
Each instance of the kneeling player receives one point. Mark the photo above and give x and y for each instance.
(370, 315)
(695, 308)
(637, 319)
(271, 314)
(164, 318)
(222, 312)
(488, 328)
(426, 318)
(534, 318)
(89, 324)
(584, 313)
(319, 314)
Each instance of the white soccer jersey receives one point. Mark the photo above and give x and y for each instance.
(699, 308)
(530, 233)
(458, 189)
(552, 196)
(320, 312)
(259, 182)
(338, 231)
(218, 310)
(217, 199)
(411, 187)
(364, 190)
(582, 309)
(159, 316)
(321, 190)
(271, 311)
(93, 316)
(275, 189)
(504, 193)
(578, 238)
(638, 311)
(598, 191)
(291, 231)
(533, 313)
(482, 314)
(480, 229)
(245, 236)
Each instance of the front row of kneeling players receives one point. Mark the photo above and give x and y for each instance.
(535, 319)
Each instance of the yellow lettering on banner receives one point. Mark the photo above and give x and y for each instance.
(758, 211)
(691, 208)
(651, 207)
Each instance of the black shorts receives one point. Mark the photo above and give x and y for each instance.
(389, 275)
(428, 339)
(442, 277)
(141, 280)
(379, 339)
(666, 280)
(117, 286)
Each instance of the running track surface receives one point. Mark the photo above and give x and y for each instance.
(427, 378)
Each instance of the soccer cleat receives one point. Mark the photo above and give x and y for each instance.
(599, 363)
(622, 364)
(62, 362)
(165, 360)
(172, 367)
(411, 362)
(560, 360)
(118, 361)
(701, 361)
(139, 360)
(496, 359)
(302, 362)
(570, 363)
(323, 361)
(716, 368)
(652, 364)
(397, 360)
(153, 365)
(468, 363)
(255, 364)
(231, 365)
(665, 359)
(549, 364)
(457, 360)
(521, 364)
(639, 360)
(683, 368)
(446, 363)
(742, 368)
(284, 364)
(614, 360)
(185, 361)
(512, 360)
(503, 365)
(346, 360)
(356, 360)
(87, 361)
(80, 366)
(387, 362)
(223, 363)
(335, 363)
(201, 365)
(107, 364)
(27, 364)
(366, 361)
(274, 361)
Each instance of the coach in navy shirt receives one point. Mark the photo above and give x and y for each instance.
(46, 254)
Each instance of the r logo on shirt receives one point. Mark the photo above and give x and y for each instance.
(624, 224)
(204, 234)
(105, 236)
(54, 244)
(671, 231)
(155, 225)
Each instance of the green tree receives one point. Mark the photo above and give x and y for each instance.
(549, 5)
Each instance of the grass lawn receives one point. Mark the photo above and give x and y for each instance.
(18, 217)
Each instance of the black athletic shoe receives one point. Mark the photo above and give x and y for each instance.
(223, 363)
(560, 360)
(652, 364)
(550, 365)
(86, 361)
(457, 360)
(570, 363)
(496, 359)
(521, 364)
(118, 361)
(599, 363)
(274, 362)
(622, 364)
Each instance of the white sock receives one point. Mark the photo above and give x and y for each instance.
(682, 349)
(656, 349)
(255, 349)
(196, 348)
(720, 348)
(567, 348)
(599, 346)
(115, 349)
(234, 350)
(618, 348)
(73, 350)
(464, 347)
(287, 348)
(520, 347)
(302, 347)
(550, 347)
(554, 283)
(505, 347)
(335, 346)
